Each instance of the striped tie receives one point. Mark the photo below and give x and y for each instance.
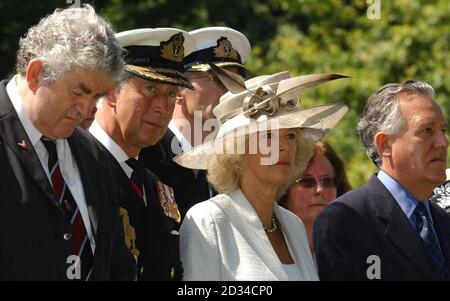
(81, 245)
(429, 240)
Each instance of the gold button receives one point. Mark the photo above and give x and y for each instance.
(172, 273)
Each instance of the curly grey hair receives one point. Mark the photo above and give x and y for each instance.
(71, 38)
(382, 113)
(224, 171)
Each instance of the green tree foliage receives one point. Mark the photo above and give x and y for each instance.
(410, 41)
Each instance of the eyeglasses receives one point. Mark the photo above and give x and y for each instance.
(311, 182)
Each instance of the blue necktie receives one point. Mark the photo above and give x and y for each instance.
(429, 240)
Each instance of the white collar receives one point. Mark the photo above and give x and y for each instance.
(185, 145)
(98, 132)
(17, 102)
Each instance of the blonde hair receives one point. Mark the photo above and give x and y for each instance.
(224, 171)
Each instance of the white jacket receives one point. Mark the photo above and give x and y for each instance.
(223, 239)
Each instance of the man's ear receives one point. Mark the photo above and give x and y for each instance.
(111, 97)
(33, 74)
(180, 97)
(383, 144)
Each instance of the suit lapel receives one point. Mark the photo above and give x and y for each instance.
(299, 245)
(242, 214)
(16, 138)
(88, 179)
(442, 226)
(400, 232)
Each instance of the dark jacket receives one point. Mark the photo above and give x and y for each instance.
(150, 234)
(368, 221)
(32, 224)
(189, 189)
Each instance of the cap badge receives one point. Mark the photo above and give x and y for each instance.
(173, 49)
(224, 49)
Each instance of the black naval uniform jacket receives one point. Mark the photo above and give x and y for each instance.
(33, 226)
(189, 189)
(151, 236)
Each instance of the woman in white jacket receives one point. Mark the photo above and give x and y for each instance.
(265, 139)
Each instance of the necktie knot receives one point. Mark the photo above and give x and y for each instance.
(134, 164)
(420, 209)
(50, 146)
(137, 176)
(421, 217)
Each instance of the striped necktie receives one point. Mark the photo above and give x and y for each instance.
(80, 242)
(429, 240)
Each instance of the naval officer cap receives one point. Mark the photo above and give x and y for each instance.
(157, 54)
(222, 46)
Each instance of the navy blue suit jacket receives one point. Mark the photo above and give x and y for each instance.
(368, 221)
(32, 223)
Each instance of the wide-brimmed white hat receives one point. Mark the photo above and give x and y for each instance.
(269, 102)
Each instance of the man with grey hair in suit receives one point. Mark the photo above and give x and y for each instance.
(387, 229)
(59, 214)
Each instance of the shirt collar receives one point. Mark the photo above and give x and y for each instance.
(402, 196)
(98, 132)
(185, 145)
(17, 102)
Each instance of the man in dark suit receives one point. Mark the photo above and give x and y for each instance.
(135, 117)
(193, 121)
(387, 229)
(59, 217)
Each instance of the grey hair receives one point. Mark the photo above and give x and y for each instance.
(382, 113)
(224, 171)
(71, 38)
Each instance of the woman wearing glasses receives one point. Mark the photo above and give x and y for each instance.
(323, 180)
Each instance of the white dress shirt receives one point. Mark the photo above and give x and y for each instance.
(67, 164)
(185, 145)
(118, 153)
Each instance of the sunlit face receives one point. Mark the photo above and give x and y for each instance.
(143, 111)
(279, 171)
(307, 201)
(419, 151)
(60, 106)
(207, 93)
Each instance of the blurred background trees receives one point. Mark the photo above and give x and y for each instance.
(410, 40)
